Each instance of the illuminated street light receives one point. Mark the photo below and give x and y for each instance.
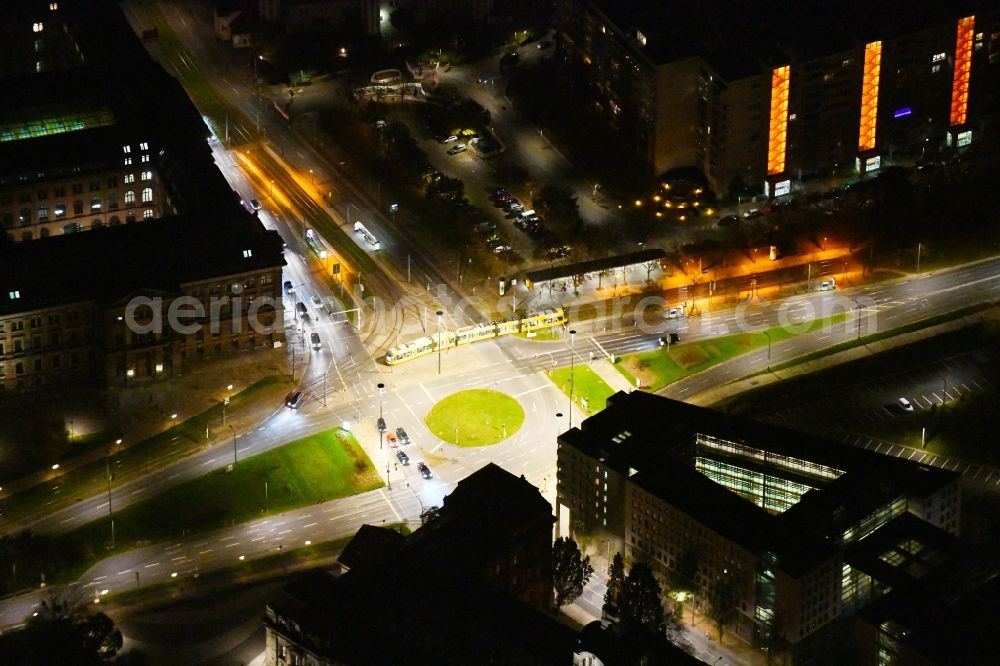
(381, 389)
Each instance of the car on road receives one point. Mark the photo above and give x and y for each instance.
(289, 287)
(403, 458)
(403, 437)
(294, 400)
(827, 285)
(318, 303)
(300, 309)
(254, 205)
(391, 439)
(315, 341)
(457, 148)
(662, 341)
(905, 405)
(380, 424)
(674, 313)
(424, 470)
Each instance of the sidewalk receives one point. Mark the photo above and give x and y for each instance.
(616, 380)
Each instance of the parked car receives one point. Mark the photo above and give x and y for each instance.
(318, 303)
(457, 148)
(728, 220)
(448, 139)
(674, 313)
(315, 341)
(424, 470)
(905, 405)
(300, 309)
(294, 399)
(391, 439)
(289, 287)
(514, 206)
(828, 285)
(403, 437)
(403, 458)
(380, 424)
(254, 205)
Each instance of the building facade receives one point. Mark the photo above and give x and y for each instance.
(220, 273)
(781, 518)
(759, 100)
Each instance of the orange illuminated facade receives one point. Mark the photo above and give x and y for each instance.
(963, 67)
(777, 137)
(869, 96)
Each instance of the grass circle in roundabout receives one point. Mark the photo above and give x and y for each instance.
(475, 417)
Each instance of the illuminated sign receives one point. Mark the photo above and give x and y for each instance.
(782, 188)
(873, 163)
(902, 113)
(963, 68)
(964, 138)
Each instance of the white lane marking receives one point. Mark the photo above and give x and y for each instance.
(537, 388)
(394, 512)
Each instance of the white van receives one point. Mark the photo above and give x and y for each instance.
(526, 215)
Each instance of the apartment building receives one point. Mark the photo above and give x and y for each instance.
(763, 97)
(98, 134)
(96, 308)
(790, 520)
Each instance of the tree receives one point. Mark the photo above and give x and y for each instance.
(63, 632)
(723, 601)
(429, 514)
(641, 605)
(570, 571)
(616, 580)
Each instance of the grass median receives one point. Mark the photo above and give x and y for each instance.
(590, 392)
(657, 368)
(321, 467)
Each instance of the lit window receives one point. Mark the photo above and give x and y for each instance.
(937, 57)
(935, 69)
(126, 149)
(641, 37)
(147, 175)
(148, 213)
(147, 194)
(38, 27)
(128, 161)
(53, 6)
(14, 295)
(130, 178)
(145, 158)
(95, 203)
(143, 146)
(130, 197)
(247, 254)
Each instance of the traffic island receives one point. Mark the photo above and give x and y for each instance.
(475, 417)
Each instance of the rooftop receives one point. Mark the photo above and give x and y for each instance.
(109, 264)
(652, 439)
(594, 265)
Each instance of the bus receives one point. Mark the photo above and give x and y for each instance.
(367, 235)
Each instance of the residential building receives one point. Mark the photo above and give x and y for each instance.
(98, 134)
(472, 585)
(95, 308)
(783, 518)
(760, 98)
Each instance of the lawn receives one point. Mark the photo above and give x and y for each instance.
(656, 368)
(185, 438)
(476, 417)
(314, 469)
(590, 392)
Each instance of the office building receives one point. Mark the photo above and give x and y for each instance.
(759, 96)
(792, 520)
(98, 133)
(69, 314)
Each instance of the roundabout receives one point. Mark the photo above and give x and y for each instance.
(475, 417)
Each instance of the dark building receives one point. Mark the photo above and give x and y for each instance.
(68, 304)
(793, 521)
(473, 585)
(761, 95)
(98, 133)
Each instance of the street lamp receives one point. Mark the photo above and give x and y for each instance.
(225, 402)
(439, 313)
(768, 350)
(572, 358)
(109, 476)
(311, 178)
(381, 388)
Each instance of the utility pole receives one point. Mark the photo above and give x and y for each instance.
(234, 445)
(439, 313)
(381, 387)
(572, 358)
(919, 247)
